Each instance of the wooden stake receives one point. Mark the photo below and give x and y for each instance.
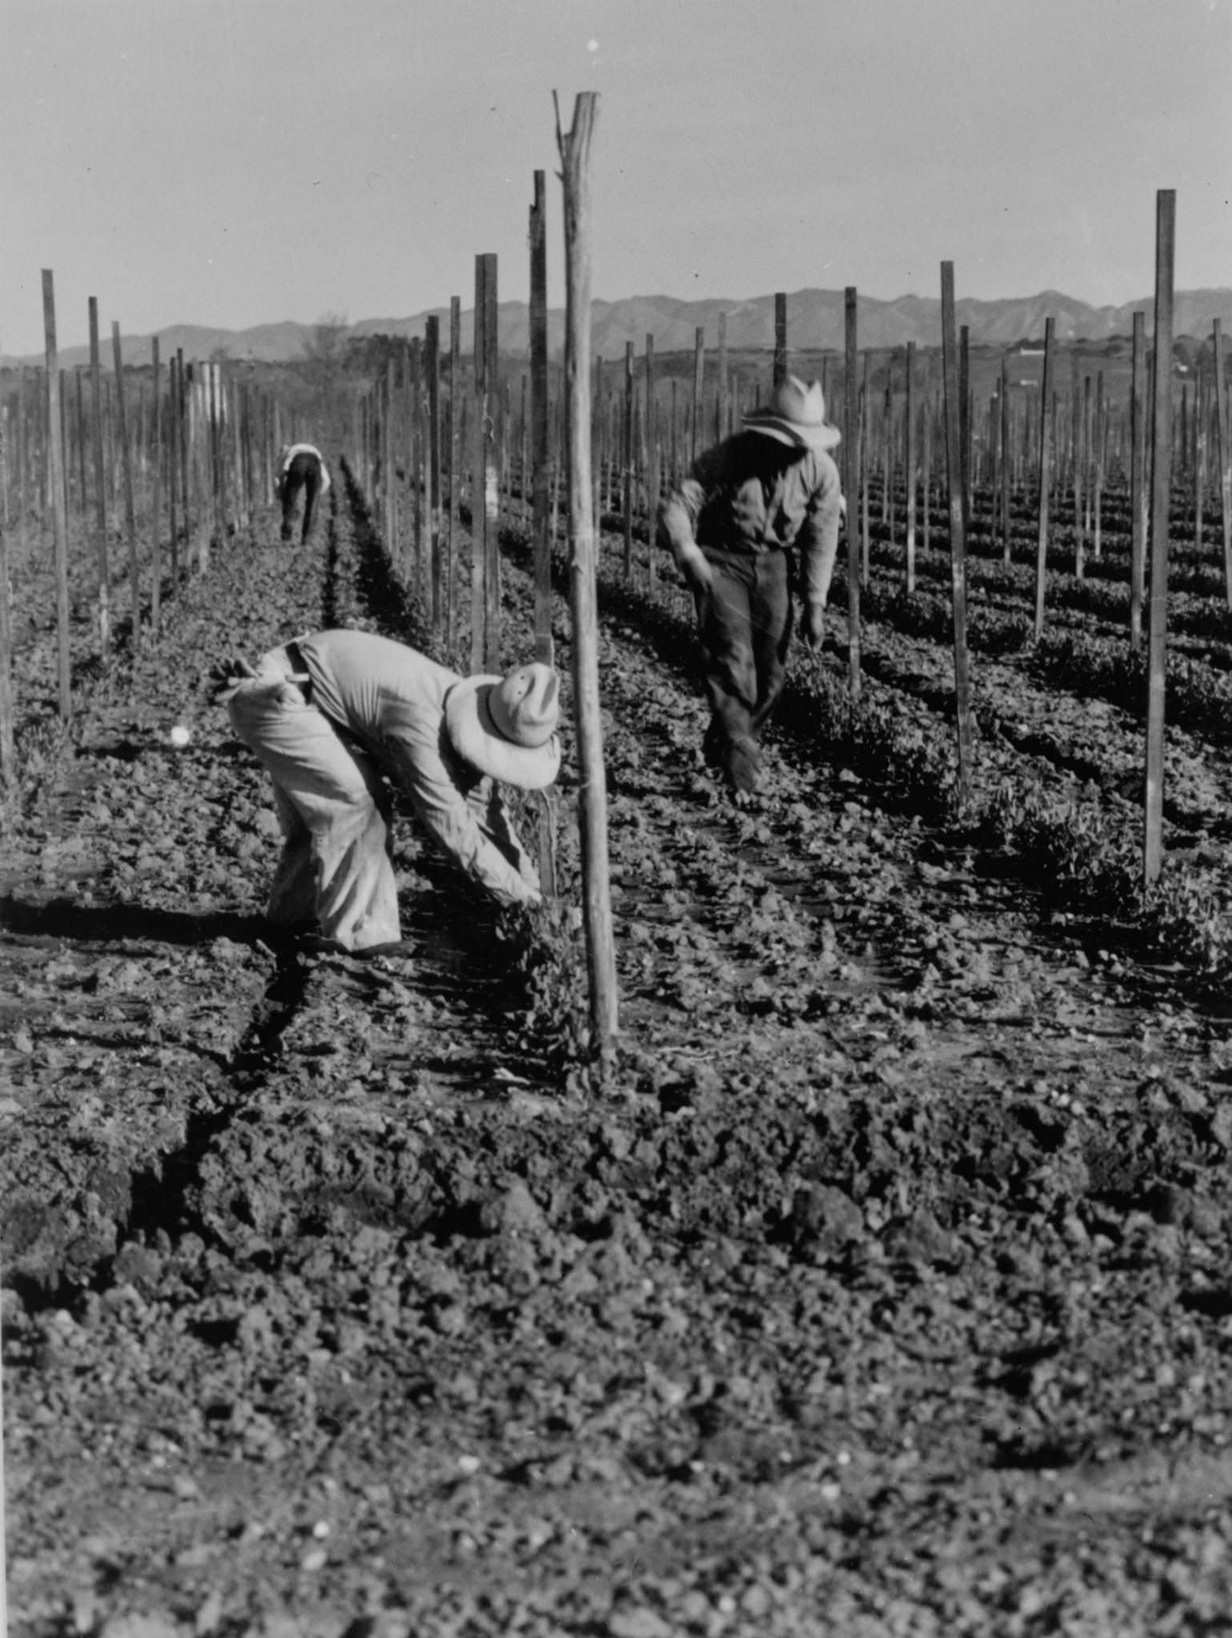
(156, 500)
(1006, 458)
(909, 464)
(540, 498)
(1222, 453)
(432, 376)
(1161, 489)
(186, 506)
(126, 464)
(780, 336)
(485, 503)
(7, 775)
(699, 366)
(652, 459)
(1047, 418)
(452, 439)
(851, 483)
(627, 499)
(724, 398)
(173, 464)
(956, 476)
(1138, 486)
(55, 453)
(574, 149)
(100, 486)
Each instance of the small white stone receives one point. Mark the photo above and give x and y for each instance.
(180, 736)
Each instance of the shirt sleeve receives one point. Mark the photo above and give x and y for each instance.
(818, 537)
(680, 511)
(415, 762)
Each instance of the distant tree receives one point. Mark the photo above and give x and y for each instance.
(329, 397)
(325, 344)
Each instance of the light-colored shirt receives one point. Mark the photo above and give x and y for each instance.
(292, 450)
(733, 501)
(391, 699)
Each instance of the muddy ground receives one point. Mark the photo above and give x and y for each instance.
(883, 1289)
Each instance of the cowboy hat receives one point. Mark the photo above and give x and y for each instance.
(795, 415)
(506, 726)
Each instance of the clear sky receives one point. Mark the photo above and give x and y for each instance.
(238, 162)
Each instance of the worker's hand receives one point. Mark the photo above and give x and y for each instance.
(813, 626)
(227, 675)
(696, 570)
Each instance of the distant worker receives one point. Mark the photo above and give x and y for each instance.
(731, 526)
(332, 716)
(302, 468)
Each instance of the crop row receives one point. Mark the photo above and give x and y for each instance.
(1081, 851)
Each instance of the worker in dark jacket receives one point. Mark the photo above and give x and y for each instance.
(302, 469)
(335, 715)
(732, 526)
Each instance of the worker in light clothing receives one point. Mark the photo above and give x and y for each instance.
(333, 716)
(731, 526)
(301, 469)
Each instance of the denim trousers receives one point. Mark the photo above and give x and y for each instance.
(744, 620)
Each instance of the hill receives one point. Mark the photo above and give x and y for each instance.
(815, 320)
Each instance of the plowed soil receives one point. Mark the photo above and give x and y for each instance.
(882, 1288)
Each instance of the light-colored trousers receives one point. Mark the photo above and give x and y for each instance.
(335, 875)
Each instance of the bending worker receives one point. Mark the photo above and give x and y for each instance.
(731, 526)
(331, 716)
(302, 468)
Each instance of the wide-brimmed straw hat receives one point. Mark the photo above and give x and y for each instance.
(506, 726)
(795, 415)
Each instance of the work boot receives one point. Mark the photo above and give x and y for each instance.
(744, 766)
(712, 745)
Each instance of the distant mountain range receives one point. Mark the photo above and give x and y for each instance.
(815, 319)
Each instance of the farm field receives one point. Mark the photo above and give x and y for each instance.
(883, 1286)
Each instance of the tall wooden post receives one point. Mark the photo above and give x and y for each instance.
(887, 457)
(724, 411)
(453, 431)
(181, 454)
(485, 503)
(540, 500)
(1098, 457)
(1161, 489)
(388, 478)
(864, 466)
(964, 418)
(1007, 459)
(173, 463)
(59, 511)
(1047, 414)
(130, 510)
(653, 481)
(7, 766)
(575, 156)
(851, 482)
(627, 453)
(1221, 454)
(416, 549)
(156, 499)
(780, 336)
(23, 464)
(100, 484)
(909, 462)
(956, 476)
(83, 504)
(1138, 485)
(432, 482)
(699, 368)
